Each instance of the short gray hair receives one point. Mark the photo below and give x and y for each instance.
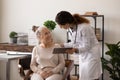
(39, 30)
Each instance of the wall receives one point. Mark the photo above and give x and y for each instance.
(0, 18)
(21, 15)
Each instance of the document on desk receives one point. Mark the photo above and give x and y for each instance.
(60, 50)
(18, 53)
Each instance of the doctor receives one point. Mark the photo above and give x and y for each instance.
(84, 43)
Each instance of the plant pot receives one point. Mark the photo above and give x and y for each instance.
(13, 40)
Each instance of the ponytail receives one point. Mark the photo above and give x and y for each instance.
(79, 19)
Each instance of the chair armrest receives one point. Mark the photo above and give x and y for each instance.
(21, 71)
(69, 64)
(28, 74)
(24, 68)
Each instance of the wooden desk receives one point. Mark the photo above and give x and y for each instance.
(15, 47)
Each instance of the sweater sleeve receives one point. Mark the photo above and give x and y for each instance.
(33, 64)
(61, 64)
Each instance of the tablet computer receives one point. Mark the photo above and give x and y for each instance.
(60, 50)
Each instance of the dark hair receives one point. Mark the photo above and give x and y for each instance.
(64, 17)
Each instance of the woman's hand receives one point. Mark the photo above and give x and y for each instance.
(49, 73)
(46, 74)
(61, 44)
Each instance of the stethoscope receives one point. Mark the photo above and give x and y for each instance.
(75, 33)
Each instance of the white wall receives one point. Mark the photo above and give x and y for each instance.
(21, 15)
(0, 18)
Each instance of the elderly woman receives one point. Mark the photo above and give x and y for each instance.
(45, 64)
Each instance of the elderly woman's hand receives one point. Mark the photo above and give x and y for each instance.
(49, 73)
(46, 74)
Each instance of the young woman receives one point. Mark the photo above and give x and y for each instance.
(45, 64)
(84, 43)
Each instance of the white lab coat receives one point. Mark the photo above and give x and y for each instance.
(89, 59)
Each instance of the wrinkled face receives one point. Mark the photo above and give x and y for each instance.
(45, 35)
(66, 26)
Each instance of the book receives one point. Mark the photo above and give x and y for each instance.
(60, 50)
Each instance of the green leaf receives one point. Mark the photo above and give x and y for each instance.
(50, 24)
(113, 64)
(13, 34)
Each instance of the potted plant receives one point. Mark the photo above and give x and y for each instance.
(113, 64)
(13, 37)
(50, 24)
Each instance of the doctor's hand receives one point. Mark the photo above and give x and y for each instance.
(61, 44)
(71, 51)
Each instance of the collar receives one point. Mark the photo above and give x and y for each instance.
(74, 28)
